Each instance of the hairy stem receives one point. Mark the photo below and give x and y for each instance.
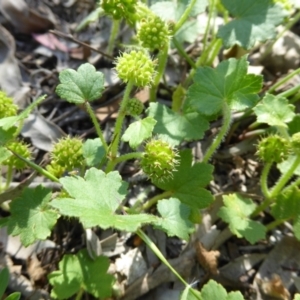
(184, 16)
(264, 180)
(162, 61)
(220, 136)
(113, 35)
(147, 205)
(96, 125)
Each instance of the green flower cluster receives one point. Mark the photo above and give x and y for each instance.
(119, 9)
(153, 33)
(7, 106)
(134, 107)
(136, 66)
(159, 160)
(66, 156)
(20, 148)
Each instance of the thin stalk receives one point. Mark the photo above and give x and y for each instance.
(274, 224)
(290, 92)
(220, 136)
(36, 167)
(287, 27)
(184, 16)
(96, 125)
(147, 205)
(285, 178)
(215, 51)
(264, 180)
(113, 148)
(113, 35)
(273, 88)
(125, 157)
(158, 253)
(208, 24)
(162, 61)
(283, 132)
(79, 294)
(9, 176)
(291, 186)
(182, 52)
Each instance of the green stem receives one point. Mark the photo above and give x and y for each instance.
(290, 91)
(287, 27)
(183, 53)
(158, 253)
(162, 61)
(273, 88)
(184, 16)
(96, 125)
(113, 35)
(125, 157)
(274, 224)
(147, 205)
(113, 148)
(291, 186)
(36, 167)
(79, 294)
(9, 177)
(220, 136)
(208, 24)
(264, 180)
(285, 178)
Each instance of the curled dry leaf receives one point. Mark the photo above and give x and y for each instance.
(26, 19)
(207, 259)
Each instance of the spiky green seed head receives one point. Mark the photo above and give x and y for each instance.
(153, 33)
(295, 143)
(159, 160)
(7, 106)
(67, 153)
(136, 66)
(134, 107)
(273, 149)
(20, 148)
(119, 9)
(55, 169)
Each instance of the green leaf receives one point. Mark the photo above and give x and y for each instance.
(139, 131)
(85, 84)
(213, 290)
(7, 134)
(275, 111)
(80, 271)
(294, 125)
(96, 197)
(228, 82)
(4, 279)
(286, 205)
(187, 294)
(4, 154)
(175, 218)
(10, 122)
(93, 152)
(286, 165)
(14, 296)
(177, 127)
(31, 216)
(296, 227)
(255, 21)
(189, 181)
(297, 297)
(236, 213)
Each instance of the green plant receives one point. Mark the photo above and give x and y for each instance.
(96, 194)
(4, 279)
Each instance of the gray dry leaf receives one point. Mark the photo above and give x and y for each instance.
(42, 132)
(26, 19)
(282, 262)
(10, 75)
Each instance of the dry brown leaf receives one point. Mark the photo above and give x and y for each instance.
(35, 271)
(274, 288)
(207, 259)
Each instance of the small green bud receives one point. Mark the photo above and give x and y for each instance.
(55, 169)
(119, 9)
(134, 107)
(159, 160)
(135, 66)
(273, 149)
(153, 33)
(20, 148)
(67, 153)
(295, 143)
(7, 106)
